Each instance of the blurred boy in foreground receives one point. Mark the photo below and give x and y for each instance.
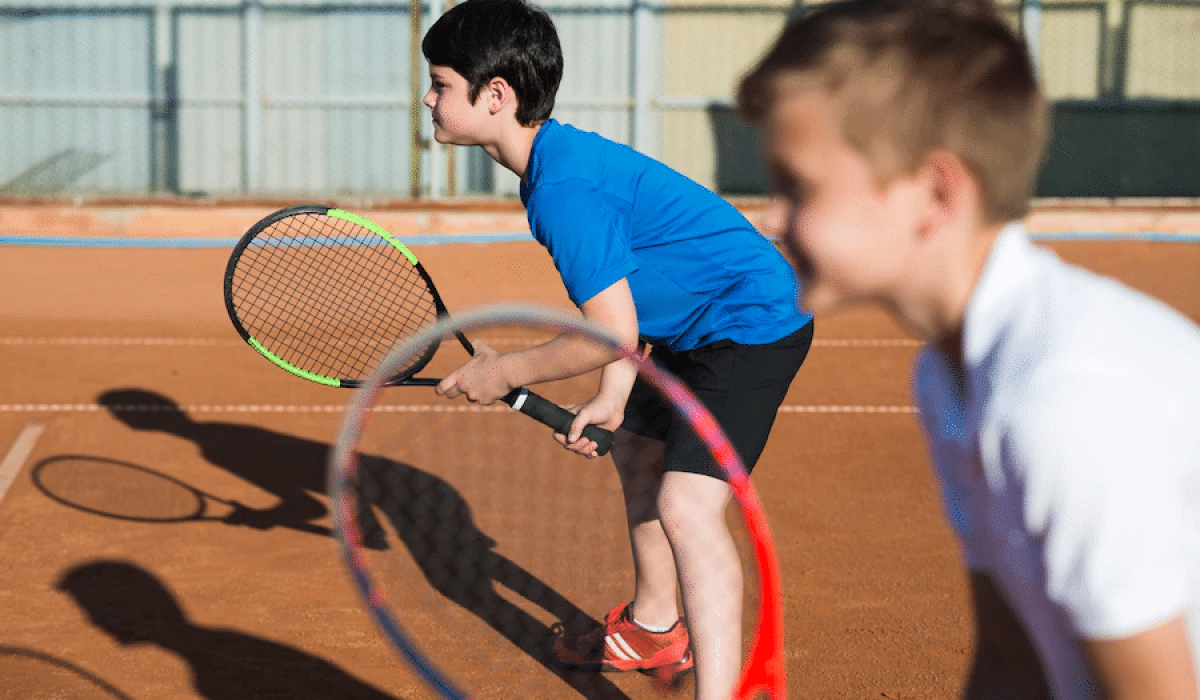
(903, 138)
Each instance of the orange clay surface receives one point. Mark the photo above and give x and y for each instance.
(98, 607)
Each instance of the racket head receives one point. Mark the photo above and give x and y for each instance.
(324, 294)
(764, 670)
(116, 489)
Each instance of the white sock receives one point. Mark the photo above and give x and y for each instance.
(650, 628)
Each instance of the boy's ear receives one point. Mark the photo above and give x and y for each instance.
(953, 191)
(499, 94)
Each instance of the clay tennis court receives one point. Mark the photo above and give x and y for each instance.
(124, 356)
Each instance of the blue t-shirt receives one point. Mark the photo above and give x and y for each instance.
(698, 270)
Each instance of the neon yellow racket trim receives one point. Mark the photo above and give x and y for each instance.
(312, 377)
(374, 228)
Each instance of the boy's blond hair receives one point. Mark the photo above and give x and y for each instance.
(915, 76)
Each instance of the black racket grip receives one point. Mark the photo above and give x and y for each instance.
(557, 417)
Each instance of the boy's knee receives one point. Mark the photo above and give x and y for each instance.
(693, 503)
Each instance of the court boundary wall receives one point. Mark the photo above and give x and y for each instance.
(217, 222)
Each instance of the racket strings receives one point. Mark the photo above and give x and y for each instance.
(410, 305)
(329, 296)
(279, 313)
(409, 302)
(368, 296)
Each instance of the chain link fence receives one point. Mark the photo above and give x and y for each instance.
(313, 99)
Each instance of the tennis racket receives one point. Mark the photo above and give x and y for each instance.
(381, 586)
(324, 294)
(123, 491)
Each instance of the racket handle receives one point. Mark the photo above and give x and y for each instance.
(557, 417)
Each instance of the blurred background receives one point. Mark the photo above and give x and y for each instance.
(295, 98)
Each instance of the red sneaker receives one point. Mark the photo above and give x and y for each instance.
(622, 645)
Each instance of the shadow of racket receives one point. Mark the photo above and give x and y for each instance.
(116, 489)
(29, 673)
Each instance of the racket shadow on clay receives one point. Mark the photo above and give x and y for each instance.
(36, 674)
(294, 469)
(289, 468)
(121, 490)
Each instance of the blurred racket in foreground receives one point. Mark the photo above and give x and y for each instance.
(324, 294)
(116, 489)
(356, 478)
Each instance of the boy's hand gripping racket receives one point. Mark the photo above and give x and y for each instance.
(764, 669)
(325, 294)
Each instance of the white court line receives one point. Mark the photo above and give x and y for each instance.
(208, 342)
(120, 341)
(15, 459)
(236, 408)
(339, 408)
(848, 409)
(867, 343)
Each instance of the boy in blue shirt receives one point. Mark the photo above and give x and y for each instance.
(653, 258)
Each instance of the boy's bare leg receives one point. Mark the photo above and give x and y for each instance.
(639, 462)
(681, 542)
(692, 508)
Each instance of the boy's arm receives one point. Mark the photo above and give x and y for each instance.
(1105, 457)
(606, 409)
(1156, 663)
(490, 375)
(1006, 665)
(569, 355)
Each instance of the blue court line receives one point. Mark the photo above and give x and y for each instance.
(1152, 236)
(168, 242)
(503, 237)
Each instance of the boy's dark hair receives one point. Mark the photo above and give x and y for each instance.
(510, 39)
(913, 76)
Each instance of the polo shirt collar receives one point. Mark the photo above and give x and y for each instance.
(992, 303)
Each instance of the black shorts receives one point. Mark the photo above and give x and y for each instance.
(741, 385)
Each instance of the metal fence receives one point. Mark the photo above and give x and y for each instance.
(265, 98)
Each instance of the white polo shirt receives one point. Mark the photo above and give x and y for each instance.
(1068, 453)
